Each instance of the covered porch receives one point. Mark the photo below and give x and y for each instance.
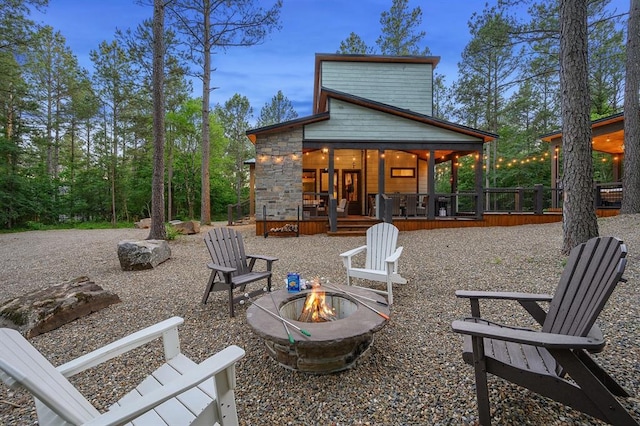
(607, 135)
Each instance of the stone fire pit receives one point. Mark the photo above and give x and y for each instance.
(333, 345)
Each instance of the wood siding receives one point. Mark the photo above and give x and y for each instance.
(353, 122)
(402, 85)
(367, 162)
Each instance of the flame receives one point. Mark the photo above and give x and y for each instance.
(315, 306)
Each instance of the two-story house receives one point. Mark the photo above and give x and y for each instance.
(372, 132)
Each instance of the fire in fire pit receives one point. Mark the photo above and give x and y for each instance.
(333, 345)
(315, 307)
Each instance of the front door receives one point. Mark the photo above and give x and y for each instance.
(352, 190)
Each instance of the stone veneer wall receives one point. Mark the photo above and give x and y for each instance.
(279, 175)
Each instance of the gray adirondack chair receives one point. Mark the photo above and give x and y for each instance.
(554, 361)
(180, 392)
(231, 268)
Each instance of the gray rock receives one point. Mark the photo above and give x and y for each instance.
(186, 228)
(145, 254)
(143, 224)
(45, 310)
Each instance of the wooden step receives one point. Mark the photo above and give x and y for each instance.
(351, 227)
(347, 233)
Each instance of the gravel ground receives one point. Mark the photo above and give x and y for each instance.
(412, 375)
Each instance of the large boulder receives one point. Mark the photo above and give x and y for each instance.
(145, 254)
(143, 223)
(48, 309)
(186, 228)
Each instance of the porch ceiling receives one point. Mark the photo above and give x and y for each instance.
(441, 155)
(607, 135)
(611, 143)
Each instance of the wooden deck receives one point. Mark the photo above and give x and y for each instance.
(357, 225)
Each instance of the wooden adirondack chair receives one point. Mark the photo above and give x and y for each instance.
(231, 268)
(554, 361)
(381, 262)
(180, 392)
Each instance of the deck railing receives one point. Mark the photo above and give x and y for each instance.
(535, 200)
(531, 200)
(237, 212)
(608, 195)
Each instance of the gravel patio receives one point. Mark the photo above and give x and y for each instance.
(412, 375)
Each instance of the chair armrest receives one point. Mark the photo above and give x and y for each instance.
(353, 252)
(535, 338)
(394, 257)
(213, 365)
(503, 295)
(119, 347)
(262, 257)
(527, 300)
(220, 268)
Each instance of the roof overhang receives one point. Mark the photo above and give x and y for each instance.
(367, 103)
(607, 135)
(287, 125)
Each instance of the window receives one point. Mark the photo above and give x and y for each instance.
(308, 180)
(403, 172)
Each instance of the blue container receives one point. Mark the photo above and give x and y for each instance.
(293, 282)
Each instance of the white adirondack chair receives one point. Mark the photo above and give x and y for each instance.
(180, 392)
(381, 262)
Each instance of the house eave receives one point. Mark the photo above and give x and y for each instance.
(252, 134)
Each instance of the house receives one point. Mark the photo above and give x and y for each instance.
(372, 141)
(607, 136)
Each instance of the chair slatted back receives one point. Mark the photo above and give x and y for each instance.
(396, 204)
(411, 204)
(381, 243)
(227, 249)
(22, 365)
(592, 272)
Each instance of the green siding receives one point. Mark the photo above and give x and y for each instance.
(402, 85)
(352, 122)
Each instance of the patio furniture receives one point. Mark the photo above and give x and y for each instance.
(231, 268)
(381, 262)
(372, 205)
(421, 209)
(343, 208)
(411, 204)
(179, 392)
(397, 204)
(554, 361)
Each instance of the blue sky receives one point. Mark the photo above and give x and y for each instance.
(285, 61)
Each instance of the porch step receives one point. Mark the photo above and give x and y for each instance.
(347, 227)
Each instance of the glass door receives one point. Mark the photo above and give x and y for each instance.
(352, 191)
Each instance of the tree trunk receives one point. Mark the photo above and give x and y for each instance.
(170, 137)
(205, 204)
(579, 222)
(631, 177)
(157, 230)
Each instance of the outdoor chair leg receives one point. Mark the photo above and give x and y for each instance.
(207, 291)
(482, 390)
(612, 411)
(604, 377)
(231, 313)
